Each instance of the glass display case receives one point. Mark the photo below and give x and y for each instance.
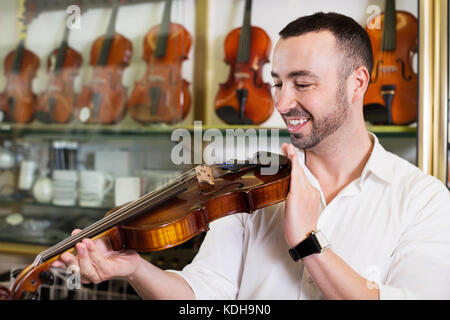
(89, 95)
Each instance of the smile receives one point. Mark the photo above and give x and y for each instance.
(295, 124)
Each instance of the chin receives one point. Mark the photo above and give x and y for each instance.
(301, 141)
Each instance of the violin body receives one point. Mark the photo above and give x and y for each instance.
(162, 95)
(18, 97)
(392, 91)
(169, 216)
(245, 76)
(57, 102)
(103, 99)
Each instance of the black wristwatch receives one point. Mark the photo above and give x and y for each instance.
(314, 243)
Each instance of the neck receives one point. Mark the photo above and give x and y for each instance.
(341, 157)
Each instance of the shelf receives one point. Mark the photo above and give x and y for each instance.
(51, 206)
(131, 128)
(393, 131)
(21, 248)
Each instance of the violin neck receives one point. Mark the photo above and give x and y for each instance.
(62, 52)
(18, 56)
(106, 44)
(116, 217)
(246, 35)
(22, 26)
(161, 44)
(389, 28)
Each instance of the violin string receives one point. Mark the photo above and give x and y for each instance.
(92, 229)
(132, 204)
(120, 213)
(125, 214)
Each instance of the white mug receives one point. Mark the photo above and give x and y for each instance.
(127, 189)
(42, 190)
(65, 187)
(6, 159)
(94, 185)
(26, 176)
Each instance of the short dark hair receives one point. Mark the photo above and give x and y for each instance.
(351, 39)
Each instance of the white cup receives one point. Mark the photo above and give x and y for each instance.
(6, 159)
(127, 189)
(26, 176)
(65, 187)
(42, 190)
(93, 187)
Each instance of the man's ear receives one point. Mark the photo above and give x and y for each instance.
(360, 79)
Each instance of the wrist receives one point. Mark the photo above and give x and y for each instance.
(299, 236)
(314, 243)
(135, 275)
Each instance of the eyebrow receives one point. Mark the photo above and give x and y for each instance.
(299, 73)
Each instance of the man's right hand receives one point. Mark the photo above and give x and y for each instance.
(98, 262)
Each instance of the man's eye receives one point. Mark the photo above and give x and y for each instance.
(302, 86)
(276, 85)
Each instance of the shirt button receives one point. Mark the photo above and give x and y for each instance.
(309, 279)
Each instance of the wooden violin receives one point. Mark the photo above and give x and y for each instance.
(56, 104)
(21, 65)
(391, 97)
(171, 214)
(162, 95)
(103, 100)
(244, 98)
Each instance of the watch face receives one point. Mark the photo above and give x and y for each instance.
(321, 239)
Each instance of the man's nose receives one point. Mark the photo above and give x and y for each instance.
(285, 100)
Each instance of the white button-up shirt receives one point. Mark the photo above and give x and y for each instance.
(391, 225)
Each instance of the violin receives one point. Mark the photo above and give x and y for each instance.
(244, 98)
(391, 96)
(56, 104)
(21, 65)
(103, 100)
(162, 95)
(171, 214)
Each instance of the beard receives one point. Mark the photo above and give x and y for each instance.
(324, 126)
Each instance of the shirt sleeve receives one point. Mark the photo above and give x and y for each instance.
(215, 271)
(420, 267)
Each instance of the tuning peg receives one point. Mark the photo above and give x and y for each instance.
(16, 272)
(5, 294)
(46, 277)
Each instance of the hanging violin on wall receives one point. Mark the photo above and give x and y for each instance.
(244, 98)
(56, 104)
(103, 99)
(162, 95)
(21, 65)
(391, 97)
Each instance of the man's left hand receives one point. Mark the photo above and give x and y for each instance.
(302, 202)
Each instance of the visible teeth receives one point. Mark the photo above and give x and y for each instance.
(297, 122)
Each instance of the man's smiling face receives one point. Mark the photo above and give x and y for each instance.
(310, 92)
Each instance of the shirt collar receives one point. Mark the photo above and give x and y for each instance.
(379, 164)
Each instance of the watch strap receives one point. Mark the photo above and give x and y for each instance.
(305, 248)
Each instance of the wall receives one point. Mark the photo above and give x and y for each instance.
(134, 21)
(273, 16)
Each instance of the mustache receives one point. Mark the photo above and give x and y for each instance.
(300, 113)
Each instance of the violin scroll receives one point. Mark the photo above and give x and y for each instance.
(5, 294)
